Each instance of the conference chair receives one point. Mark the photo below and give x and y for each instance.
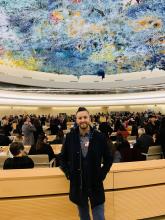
(154, 152)
(42, 160)
(131, 138)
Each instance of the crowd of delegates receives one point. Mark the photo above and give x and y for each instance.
(148, 127)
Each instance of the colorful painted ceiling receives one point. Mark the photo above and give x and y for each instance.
(83, 37)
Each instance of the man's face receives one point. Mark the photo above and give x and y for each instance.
(83, 119)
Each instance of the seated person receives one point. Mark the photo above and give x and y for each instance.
(59, 138)
(142, 144)
(42, 147)
(122, 131)
(4, 140)
(123, 152)
(105, 128)
(19, 160)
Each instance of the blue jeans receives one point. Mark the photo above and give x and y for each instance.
(97, 212)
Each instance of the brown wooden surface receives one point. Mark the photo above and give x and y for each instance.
(134, 190)
(56, 148)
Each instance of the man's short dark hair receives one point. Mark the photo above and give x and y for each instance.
(15, 148)
(81, 109)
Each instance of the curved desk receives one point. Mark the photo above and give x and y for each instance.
(134, 190)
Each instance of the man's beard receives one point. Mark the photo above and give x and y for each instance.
(84, 126)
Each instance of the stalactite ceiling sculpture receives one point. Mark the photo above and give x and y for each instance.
(83, 37)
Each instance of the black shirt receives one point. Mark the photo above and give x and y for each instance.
(45, 149)
(4, 140)
(18, 163)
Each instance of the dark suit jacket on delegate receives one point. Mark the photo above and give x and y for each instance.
(71, 164)
(4, 140)
(141, 146)
(143, 142)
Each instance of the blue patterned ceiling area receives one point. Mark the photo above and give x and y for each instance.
(83, 37)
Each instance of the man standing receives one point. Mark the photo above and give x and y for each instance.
(28, 131)
(85, 160)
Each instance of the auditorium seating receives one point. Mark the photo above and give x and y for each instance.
(154, 152)
(131, 138)
(42, 160)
